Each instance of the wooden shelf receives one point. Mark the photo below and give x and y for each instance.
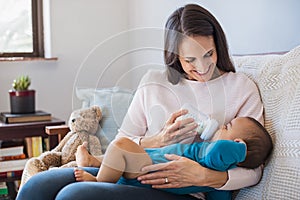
(30, 129)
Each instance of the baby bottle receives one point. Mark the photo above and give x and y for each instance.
(206, 125)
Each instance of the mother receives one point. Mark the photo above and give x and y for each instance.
(199, 72)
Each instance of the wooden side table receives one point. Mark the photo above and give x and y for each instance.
(30, 129)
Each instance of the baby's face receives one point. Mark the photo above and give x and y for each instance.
(233, 130)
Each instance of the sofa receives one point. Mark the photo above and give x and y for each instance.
(278, 79)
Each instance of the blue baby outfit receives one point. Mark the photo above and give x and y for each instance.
(219, 155)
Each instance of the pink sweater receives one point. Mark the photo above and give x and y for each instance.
(230, 95)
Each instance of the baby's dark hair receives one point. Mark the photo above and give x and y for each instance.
(259, 145)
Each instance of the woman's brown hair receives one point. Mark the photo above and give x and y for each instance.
(193, 20)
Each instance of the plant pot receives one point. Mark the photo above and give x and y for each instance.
(22, 101)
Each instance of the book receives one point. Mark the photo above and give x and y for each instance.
(12, 165)
(11, 151)
(14, 157)
(11, 143)
(39, 115)
(37, 146)
(28, 144)
(3, 189)
(46, 144)
(11, 174)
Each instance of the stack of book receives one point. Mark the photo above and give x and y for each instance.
(3, 190)
(39, 115)
(12, 161)
(35, 146)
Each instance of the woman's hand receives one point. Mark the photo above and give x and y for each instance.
(173, 131)
(182, 172)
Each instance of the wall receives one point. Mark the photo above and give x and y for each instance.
(252, 26)
(256, 26)
(77, 28)
(102, 43)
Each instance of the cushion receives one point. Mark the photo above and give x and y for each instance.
(278, 79)
(113, 102)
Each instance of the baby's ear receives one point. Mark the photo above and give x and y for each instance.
(239, 140)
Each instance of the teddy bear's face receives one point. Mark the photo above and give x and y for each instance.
(86, 119)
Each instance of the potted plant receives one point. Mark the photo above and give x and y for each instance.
(22, 100)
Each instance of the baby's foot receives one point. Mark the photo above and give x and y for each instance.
(82, 156)
(81, 175)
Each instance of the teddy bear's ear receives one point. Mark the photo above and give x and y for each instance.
(98, 112)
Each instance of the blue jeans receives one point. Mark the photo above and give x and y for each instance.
(60, 184)
(211, 193)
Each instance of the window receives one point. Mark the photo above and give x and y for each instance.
(21, 28)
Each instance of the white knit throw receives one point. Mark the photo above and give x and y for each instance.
(278, 79)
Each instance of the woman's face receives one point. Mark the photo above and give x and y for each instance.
(198, 57)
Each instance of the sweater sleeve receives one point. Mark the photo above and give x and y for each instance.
(242, 177)
(251, 104)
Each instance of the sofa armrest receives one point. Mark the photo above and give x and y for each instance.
(60, 131)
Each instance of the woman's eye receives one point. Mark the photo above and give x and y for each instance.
(190, 60)
(209, 54)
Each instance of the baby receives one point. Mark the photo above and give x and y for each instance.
(243, 142)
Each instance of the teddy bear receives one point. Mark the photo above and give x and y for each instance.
(83, 124)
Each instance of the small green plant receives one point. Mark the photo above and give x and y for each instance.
(21, 83)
